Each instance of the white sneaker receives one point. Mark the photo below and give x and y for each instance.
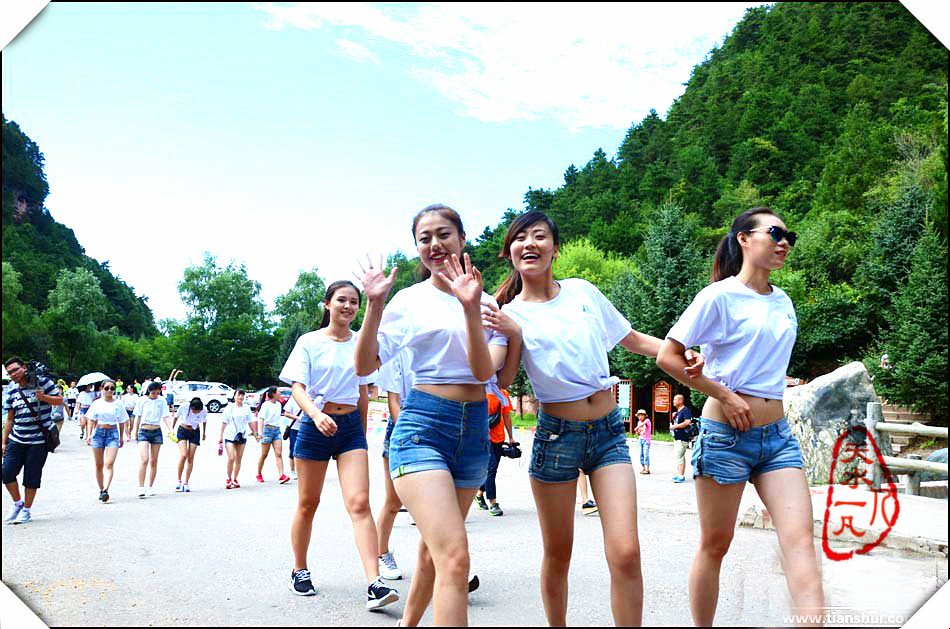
(13, 512)
(149, 492)
(141, 492)
(388, 568)
(293, 476)
(24, 517)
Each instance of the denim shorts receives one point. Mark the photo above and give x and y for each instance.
(729, 456)
(271, 434)
(191, 436)
(239, 439)
(435, 433)
(151, 436)
(562, 447)
(105, 437)
(386, 437)
(313, 445)
(29, 458)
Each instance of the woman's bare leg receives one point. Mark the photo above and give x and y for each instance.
(555, 503)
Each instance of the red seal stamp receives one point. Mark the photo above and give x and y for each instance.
(853, 506)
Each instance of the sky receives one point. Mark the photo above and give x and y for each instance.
(287, 137)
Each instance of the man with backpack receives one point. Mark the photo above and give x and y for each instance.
(684, 431)
(499, 420)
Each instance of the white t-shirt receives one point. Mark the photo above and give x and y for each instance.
(294, 409)
(395, 376)
(566, 340)
(130, 400)
(86, 398)
(747, 338)
(326, 368)
(270, 413)
(72, 393)
(191, 419)
(235, 419)
(152, 411)
(432, 325)
(107, 413)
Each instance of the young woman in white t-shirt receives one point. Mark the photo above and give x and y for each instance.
(130, 398)
(269, 414)
(563, 331)
(84, 400)
(106, 419)
(335, 404)
(236, 421)
(192, 421)
(438, 454)
(746, 327)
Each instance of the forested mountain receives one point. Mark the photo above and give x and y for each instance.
(833, 114)
(37, 250)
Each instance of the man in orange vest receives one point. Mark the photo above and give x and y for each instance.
(499, 420)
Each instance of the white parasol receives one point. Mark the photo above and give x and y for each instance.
(92, 378)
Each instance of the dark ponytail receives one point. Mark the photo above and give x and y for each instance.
(267, 395)
(422, 273)
(510, 288)
(329, 295)
(728, 259)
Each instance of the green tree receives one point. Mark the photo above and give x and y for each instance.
(304, 300)
(77, 306)
(582, 259)
(917, 344)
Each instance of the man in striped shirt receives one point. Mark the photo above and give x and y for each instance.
(24, 446)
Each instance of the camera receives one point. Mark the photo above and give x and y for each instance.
(34, 370)
(512, 451)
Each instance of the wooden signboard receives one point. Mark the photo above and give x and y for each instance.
(661, 397)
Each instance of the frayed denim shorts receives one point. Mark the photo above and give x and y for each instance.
(313, 445)
(435, 433)
(271, 434)
(390, 425)
(105, 437)
(153, 437)
(562, 446)
(731, 456)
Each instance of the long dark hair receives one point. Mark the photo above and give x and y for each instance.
(510, 288)
(271, 391)
(422, 273)
(332, 288)
(728, 259)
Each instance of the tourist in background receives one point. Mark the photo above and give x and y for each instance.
(106, 420)
(192, 420)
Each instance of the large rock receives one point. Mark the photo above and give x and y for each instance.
(822, 410)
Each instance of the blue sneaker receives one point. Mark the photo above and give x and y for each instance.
(679, 479)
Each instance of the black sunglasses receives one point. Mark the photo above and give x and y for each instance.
(108, 388)
(777, 234)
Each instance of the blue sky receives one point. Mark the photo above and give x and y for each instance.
(295, 136)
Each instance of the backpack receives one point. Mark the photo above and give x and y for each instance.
(692, 431)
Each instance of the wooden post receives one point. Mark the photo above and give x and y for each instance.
(874, 415)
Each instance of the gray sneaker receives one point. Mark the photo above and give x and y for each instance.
(388, 568)
(13, 513)
(24, 517)
(495, 510)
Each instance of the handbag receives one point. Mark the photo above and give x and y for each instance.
(50, 435)
(287, 430)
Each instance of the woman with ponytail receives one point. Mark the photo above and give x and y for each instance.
(334, 404)
(566, 328)
(269, 413)
(747, 328)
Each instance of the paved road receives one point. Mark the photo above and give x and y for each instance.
(219, 557)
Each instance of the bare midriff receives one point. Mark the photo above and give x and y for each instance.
(591, 407)
(332, 408)
(456, 392)
(763, 410)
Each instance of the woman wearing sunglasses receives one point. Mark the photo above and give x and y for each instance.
(746, 328)
(105, 418)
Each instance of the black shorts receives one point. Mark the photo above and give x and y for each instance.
(29, 458)
(191, 435)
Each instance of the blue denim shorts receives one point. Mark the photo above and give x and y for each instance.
(562, 447)
(435, 433)
(239, 439)
(105, 437)
(151, 436)
(729, 456)
(271, 434)
(192, 436)
(314, 445)
(387, 436)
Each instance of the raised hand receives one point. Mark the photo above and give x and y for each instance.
(466, 283)
(376, 284)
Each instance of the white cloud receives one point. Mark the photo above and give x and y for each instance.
(584, 65)
(356, 52)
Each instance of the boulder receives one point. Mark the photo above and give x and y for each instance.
(938, 456)
(822, 410)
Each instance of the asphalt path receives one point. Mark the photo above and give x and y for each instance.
(222, 557)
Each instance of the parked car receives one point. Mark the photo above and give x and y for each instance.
(254, 398)
(214, 395)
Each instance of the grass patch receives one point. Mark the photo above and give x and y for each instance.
(528, 420)
(662, 436)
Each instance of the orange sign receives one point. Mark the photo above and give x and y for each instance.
(661, 397)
